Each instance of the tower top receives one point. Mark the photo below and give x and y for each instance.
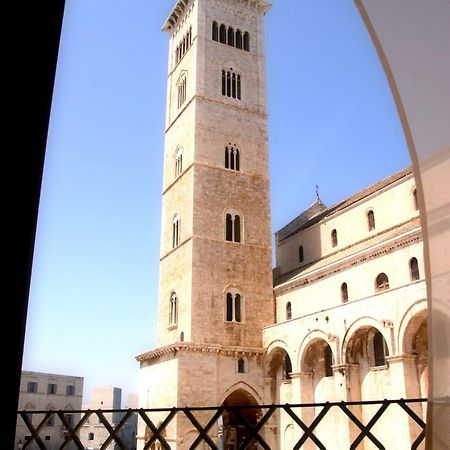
(181, 5)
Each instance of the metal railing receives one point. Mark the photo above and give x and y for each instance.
(242, 427)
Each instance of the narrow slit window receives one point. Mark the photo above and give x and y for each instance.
(288, 311)
(246, 41)
(222, 34)
(371, 220)
(230, 37)
(301, 256)
(414, 269)
(238, 39)
(215, 31)
(344, 292)
(334, 238)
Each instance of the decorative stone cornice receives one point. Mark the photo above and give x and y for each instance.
(223, 350)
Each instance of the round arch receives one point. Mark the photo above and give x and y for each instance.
(363, 322)
(409, 324)
(312, 337)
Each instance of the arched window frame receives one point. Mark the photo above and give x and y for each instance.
(344, 292)
(232, 157)
(233, 226)
(178, 161)
(371, 219)
(414, 272)
(181, 87)
(215, 31)
(231, 84)
(246, 41)
(173, 309)
(334, 238)
(234, 305)
(241, 365)
(223, 34)
(238, 39)
(176, 229)
(288, 311)
(381, 282)
(230, 37)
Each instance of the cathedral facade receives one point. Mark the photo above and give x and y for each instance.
(343, 314)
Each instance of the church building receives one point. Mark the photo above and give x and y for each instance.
(343, 314)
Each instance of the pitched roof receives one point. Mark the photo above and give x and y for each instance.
(302, 221)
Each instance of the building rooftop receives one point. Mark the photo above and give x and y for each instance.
(318, 211)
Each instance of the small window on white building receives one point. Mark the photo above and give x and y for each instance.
(344, 292)
(371, 220)
(288, 311)
(334, 238)
(381, 282)
(414, 269)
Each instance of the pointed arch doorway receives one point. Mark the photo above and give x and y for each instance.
(234, 430)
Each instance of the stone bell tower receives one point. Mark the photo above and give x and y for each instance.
(215, 290)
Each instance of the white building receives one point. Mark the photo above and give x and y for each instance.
(94, 434)
(48, 392)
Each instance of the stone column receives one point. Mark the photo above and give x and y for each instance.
(346, 377)
(404, 384)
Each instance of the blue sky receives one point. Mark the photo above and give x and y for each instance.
(94, 291)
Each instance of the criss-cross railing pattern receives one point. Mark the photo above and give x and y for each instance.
(210, 432)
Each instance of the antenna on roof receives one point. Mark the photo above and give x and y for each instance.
(317, 193)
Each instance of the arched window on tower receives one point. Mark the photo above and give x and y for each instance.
(231, 84)
(246, 41)
(173, 309)
(381, 282)
(215, 31)
(232, 227)
(238, 39)
(230, 37)
(233, 306)
(175, 232)
(371, 220)
(344, 292)
(222, 34)
(181, 90)
(232, 157)
(334, 239)
(241, 365)
(288, 311)
(178, 162)
(414, 269)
